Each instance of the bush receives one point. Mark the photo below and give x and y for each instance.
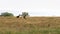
(6, 14)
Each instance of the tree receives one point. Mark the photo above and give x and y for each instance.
(6, 14)
(24, 14)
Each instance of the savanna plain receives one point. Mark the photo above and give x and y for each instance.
(30, 25)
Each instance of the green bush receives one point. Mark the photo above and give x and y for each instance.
(6, 14)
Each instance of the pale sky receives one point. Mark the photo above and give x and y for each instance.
(33, 7)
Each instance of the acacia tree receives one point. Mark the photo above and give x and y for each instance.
(6, 14)
(24, 14)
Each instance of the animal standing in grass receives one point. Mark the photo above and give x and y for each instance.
(24, 14)
(18, 16)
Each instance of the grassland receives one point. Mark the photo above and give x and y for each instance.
(31, 25)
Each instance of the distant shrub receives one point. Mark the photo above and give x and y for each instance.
(6, 14)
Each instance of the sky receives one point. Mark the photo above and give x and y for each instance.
(33, 7)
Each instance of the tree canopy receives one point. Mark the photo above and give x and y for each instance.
(6, 14)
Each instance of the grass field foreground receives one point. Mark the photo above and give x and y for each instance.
(31, 25)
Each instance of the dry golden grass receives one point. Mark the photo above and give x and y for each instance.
(42, 21)
(20, 24)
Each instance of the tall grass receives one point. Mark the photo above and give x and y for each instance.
(32, 25)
